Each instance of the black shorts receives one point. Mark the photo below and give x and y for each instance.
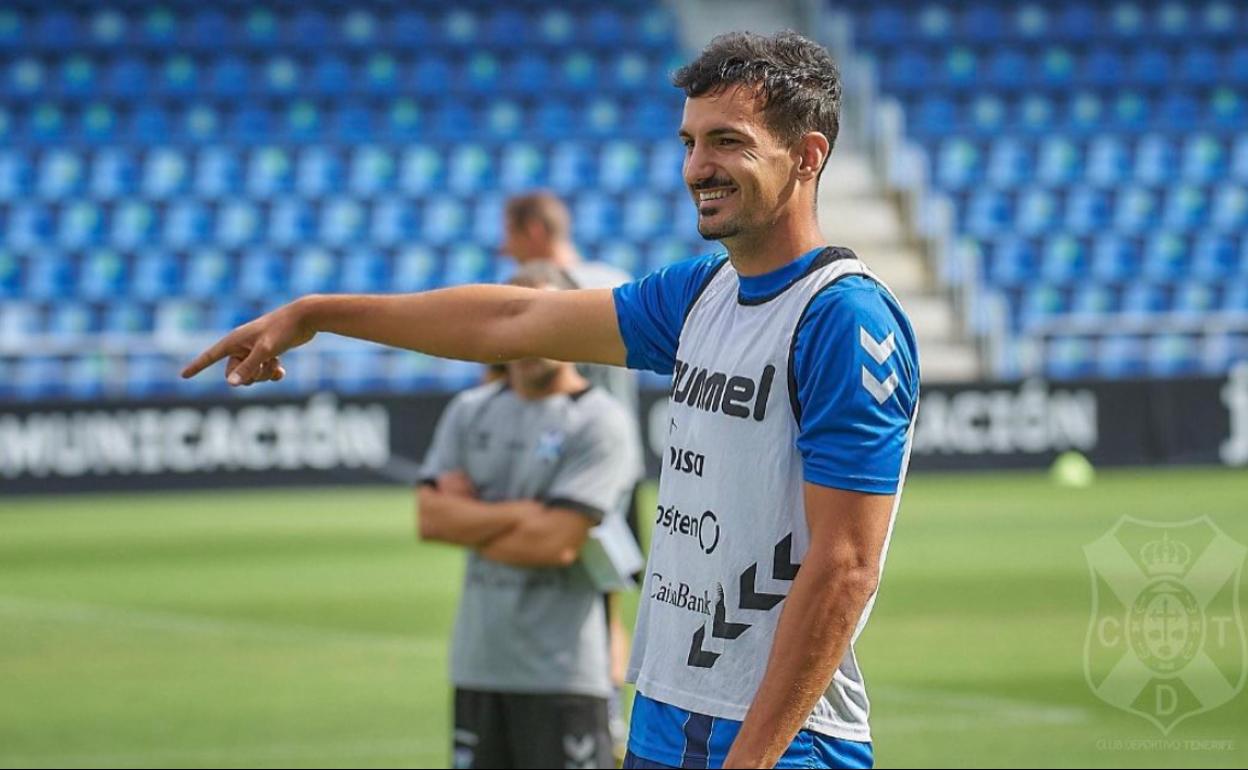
(512, 730)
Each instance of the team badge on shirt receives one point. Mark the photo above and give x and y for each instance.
(549, 445)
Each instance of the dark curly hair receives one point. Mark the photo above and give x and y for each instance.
(795, 76)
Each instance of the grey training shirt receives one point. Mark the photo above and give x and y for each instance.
(535, 630)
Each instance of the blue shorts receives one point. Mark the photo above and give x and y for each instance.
(661, 735)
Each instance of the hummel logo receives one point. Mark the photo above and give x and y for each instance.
(879, 351)
(880, 391)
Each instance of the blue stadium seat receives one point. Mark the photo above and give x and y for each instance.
(187, 223)
(1041, 304)
(445, 221)
(134, 224)
(593, 216)
(646, 216)
(393, 222)
(103, 275)
(989, 212)
(1196, 298)
(1204, 159)
(571, 167)
(487, 221)
(319, 171)
(416, 268)
(77, 77)
(1010, 261)
(482, 73)
(50, 275)
(166, 174)
(16, 175)
(1070, 357)
(239, 223)
(10, 275)
(460, 28)
(666, 161)
(80, 224)
(363, 271)
(1186, 208)
(1235, 296)
(522, 166)
(1145, 299)
(209, 274)
(314, 270)
(958, 163)
(291, 221)
(468, 263)
(1109, 160)
(1058, 161)
(1173, 355)
(621, 167)
(1115, 258)
(578, 72)
(1064, 259)
(1094, 301)
(503, 120)
(380, 74)
(61, 175)
(343, 221)
(1038, 211)
(470, 169)
(270, 172)
(155, 275)
(358, 28)
(262, 275)
(422, 169)
(1121, 356)
(1088, 210)
(70, 319)
(39, 377)
(1230, 208)
(1165, 256)
(127, 317)
(373, 170)
(1216, 256)
(1135, 210)
(1156, 160)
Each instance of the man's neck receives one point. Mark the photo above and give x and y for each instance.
(565, 255)
(765, 251)
(566, 382)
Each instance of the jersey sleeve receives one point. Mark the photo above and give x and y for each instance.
(855, 387)
(444, 453)
(597, 471)
(652, 311)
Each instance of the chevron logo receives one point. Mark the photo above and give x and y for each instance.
(879, 351)
(698, 657)
(880, 391)
(782, 568)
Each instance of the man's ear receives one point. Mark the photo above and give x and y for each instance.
(812, 152)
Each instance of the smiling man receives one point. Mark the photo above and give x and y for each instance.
(793, 398)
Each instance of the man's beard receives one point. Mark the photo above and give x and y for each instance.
(720, 230)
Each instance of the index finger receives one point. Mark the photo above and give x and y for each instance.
(205, 359)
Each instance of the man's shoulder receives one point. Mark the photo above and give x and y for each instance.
(477, 396)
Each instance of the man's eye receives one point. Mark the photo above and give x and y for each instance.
(727, 142)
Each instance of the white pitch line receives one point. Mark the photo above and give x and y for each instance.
(206, 625)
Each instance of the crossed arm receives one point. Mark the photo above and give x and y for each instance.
(482, 323)
(522, 533)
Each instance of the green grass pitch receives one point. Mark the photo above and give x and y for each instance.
(308, 628)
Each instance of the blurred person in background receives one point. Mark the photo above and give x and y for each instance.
(537, 228)
(519, 471)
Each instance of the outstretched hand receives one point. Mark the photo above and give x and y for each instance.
(253, 349)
